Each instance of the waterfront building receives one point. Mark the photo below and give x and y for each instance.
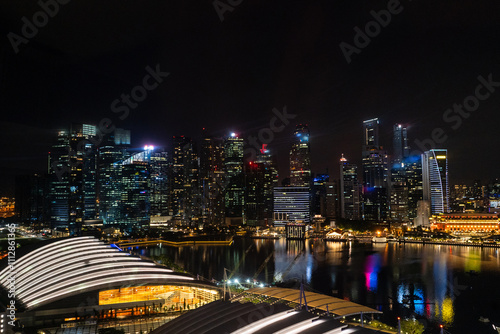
(291, 204)
(466, 222)
(435, 180)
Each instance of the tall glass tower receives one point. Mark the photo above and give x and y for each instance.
(235, 179)
(375, 174)
(435, 180)
(300, 158)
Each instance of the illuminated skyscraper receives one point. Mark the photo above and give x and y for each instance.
(398, 196)
(300, 160)
(73, 178)
(159, 183)
(235, 180)
(212, 180)
(111, 153)
(435, 180)
(185, 197)
(349, 190)
(400, 143)
(375, 174)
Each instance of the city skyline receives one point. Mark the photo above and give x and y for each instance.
(229, 75)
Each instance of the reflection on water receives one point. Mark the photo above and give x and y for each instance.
(446, 284)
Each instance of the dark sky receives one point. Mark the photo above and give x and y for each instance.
(228, 76)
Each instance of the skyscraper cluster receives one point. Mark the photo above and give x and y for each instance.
(210, 183)
(125, 187)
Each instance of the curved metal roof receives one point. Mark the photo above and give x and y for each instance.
(336, 306)
(75, 265)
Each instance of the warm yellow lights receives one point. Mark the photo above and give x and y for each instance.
(169, 294)
(441, 157)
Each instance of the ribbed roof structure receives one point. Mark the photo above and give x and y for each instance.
(70, 266)
(263, 318)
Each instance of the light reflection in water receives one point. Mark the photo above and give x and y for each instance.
(416, 279)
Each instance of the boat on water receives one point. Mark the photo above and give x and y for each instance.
(379, 240)
(391, 238)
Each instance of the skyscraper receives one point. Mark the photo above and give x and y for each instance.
(73, 178)
(110, 154)
(370, 135)
(400, 143)
(349, 190)
(185, 198)
(212, 180)
(235, 180)
(375, 174)
(435, 180)
(398, 194)
(413, 173)
(159, 183)
(300, 160)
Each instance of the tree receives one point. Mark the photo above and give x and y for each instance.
(412, 326)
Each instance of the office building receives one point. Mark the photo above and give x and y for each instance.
(435, 180)
(349, 190)
(234, 198)
(300, 157)
(212, 181)
(375, 174)
(291, 204)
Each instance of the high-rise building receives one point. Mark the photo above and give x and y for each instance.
(73, 178)
(375, 174)
(270, 175)
(159, 183)
(212, 181)
(413, 173)
(255, 205)
(110, 155)
(400, 143)
(370, 135)
(291, 204)
(435, 180)
(185, 197)
(398, 194)
(319, 190)
(300, 159)
(59, 181)
(349, 190)
(234, 198)
(135, 196)
(333, 199)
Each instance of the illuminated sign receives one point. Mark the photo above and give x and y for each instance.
(441, 157)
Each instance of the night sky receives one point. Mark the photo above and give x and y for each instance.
(228, 75)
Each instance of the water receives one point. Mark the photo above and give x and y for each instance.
(438, 284)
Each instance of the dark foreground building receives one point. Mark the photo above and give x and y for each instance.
(271, 310)
(82, 283)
